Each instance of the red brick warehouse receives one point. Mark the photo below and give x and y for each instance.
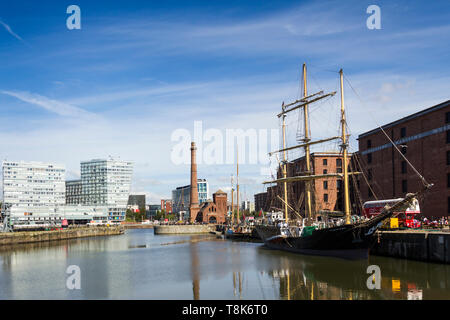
(424, 138)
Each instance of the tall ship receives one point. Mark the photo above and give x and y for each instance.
(329, 233)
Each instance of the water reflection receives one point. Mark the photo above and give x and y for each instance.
(311, 278)
(140, 265)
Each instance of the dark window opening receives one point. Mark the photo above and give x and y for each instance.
(447, 117)
(404, 186)
(448, 136)
(325, 162)
(338, 162)
(448, 158)
(369, 174)
(402, 132)
(404, 167)
(325, 197)
(369, 158)
(325, 171)
(369, 144)
(325, 185)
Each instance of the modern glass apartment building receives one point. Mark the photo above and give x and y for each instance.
(181, 195)
(107, 183)
(30, 185)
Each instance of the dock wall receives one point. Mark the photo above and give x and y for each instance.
(12, 238)
(184, 229)
(429, 246)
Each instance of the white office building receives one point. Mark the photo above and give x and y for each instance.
(33, 184)
(35, 192)
(107, 183)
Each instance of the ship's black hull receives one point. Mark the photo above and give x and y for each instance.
(347, 241)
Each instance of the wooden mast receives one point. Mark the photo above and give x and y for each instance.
(344, 149)
(286, 215)
(237, 183)
(232, 201)
(307, 155)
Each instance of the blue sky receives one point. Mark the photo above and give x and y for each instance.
(137, 71)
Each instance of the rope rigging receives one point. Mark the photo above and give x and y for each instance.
(425, 183)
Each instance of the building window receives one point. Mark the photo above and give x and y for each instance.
(402, 132)
(325, 162)
(403, 166)
(404, 186)
(325, 171)
(325, 185)
(448, 136)
(339, 184)
(448, 158)
(338, 162)
(325, 197)
(447, 117)
(369, 144)
(369, 174)
(339, 170)
(369, 157)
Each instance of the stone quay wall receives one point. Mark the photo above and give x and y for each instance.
(431, 246)
(11, 238)
(184, 229)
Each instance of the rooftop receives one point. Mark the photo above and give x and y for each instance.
(407, 118)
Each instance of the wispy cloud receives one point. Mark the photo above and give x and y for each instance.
(55, 106)
(15, 35)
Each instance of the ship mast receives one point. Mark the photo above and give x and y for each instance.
(307, 154)
(237, 183)
(344, 149)
(232, 201)
(308, 175)
(285, 166)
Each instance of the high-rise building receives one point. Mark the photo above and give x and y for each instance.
(33, 184)
(107, 183)
(38, 193)
(181, 195)
(73, 192)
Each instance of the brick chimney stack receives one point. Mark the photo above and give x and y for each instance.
(193, 205)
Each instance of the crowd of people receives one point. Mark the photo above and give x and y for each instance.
(434, 222)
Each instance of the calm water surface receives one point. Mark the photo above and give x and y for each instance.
(140, 265)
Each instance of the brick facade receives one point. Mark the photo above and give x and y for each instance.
(424, 139)
(326, 195)
(214, 211)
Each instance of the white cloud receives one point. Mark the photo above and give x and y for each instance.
(55, 106)
(8, 28)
